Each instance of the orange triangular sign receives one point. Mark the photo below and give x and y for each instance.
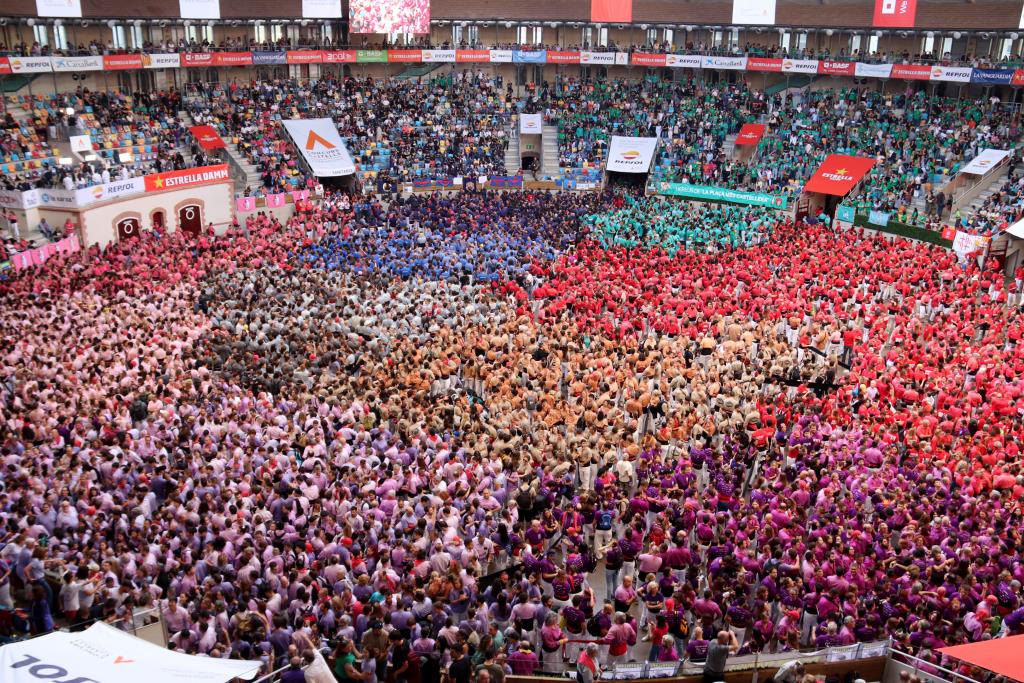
(313, 139)
(121, 660)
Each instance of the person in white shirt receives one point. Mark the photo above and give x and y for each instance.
(69, 597)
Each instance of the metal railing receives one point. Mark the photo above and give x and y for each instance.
(923, 666)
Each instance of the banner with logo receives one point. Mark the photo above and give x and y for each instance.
(192, 59)
(90, 63)
(721, 194)
(5, 66)
(501, 56)
(270, 57)
(30, 65)
(529, 56)
(730, 63)
(189, 177)
(826, 66)
(879, 218)
(965, 243)
(58, 198)
(838, 174)
(751, 133)
(13, 199)
(122, 62)
(371, 56)
(912, 72)
(612, 11)
(472, 56)
(683, 61)
(992, 76)
(321, 9)
(986, 160)
(1018, 77)
(339, 56)
(275, 201)
(770, 64)
(161, 61)
(530, 124)
(207, 137)
(415, 56)
(113, 190)
(846, 213)
(299, 195)
(587, 57)
(952, 74)
(894, 13)
(104, 653)
(873, 70)
(59, 8)
(645, 59)
(245, 204)
(199, 9)
(320, 144)
(232, 58)
(555, 57)
(304, 56)
(80, 143)
(630, 155)
(753, 12)
(800, 66)
(438, 56)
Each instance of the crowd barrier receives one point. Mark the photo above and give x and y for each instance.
(832, 67)
(903, 230)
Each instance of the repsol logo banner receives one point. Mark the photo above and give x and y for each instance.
(631, 154)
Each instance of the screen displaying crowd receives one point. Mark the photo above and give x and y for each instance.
(507, 432)
(389, 16)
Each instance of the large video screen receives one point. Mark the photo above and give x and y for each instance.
(389, 16)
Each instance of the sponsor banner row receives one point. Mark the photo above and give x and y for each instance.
(722, 194)
(916, 72)
(85, 197)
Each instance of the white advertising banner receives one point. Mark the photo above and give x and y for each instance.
(873, 70)
(12, 199)
(104, 653)
(199, 9)
(320, 144)
(59, 8)
(530, 124)
(438, 56)
(800, 66)
(631, 155)
(90, 63)
(501, 56)
(731, 63)
(114, 190)
(30, 65)
(965, 243)
(61, 199)
(753, 12)
(951, 74)
(683, 61)
(607, 58)
(985, 161)
(161, 61)
(80, 143)
(321, 9)
(621, 59)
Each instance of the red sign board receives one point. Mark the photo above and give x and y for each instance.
(339, 56)
(644, 59)
(5, 65)
(472, 55)
(912, 72)
(121, 62)
(304, 56)
(405, 55)
(764, 64)
(196, 59)
(895, 13)
(837, 68)
(232, 58)
(189, 177)
(750, 134)
(207, 137)
(838, 174)
(563, 57)
(1018, 77)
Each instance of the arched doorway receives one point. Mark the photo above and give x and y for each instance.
(157, 221)
(127, 228)
(190, 220)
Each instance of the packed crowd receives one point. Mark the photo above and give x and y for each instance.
(340, 433)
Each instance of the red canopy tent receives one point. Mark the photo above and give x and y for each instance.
(1002, 655)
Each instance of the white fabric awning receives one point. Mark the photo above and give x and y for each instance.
(1016, 230)
(103, 654)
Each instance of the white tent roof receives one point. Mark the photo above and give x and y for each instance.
(1016, 230)
(105, 654)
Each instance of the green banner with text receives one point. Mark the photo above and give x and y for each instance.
(710, 193)
(366, 56)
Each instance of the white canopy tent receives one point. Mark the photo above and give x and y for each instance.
(103, 654)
